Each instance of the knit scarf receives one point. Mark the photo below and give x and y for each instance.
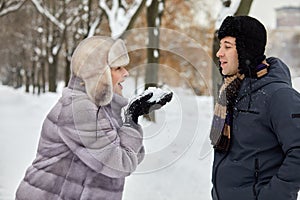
(223, 114)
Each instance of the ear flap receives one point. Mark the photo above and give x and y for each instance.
(99, 86)
(104, 88)
(118, 55)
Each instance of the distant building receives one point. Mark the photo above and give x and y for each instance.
(284, 40)
(288, 17)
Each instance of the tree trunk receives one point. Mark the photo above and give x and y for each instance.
(151, 78)
(33, 72)
(133, 19)
(52, 74)
(43, 77)
(39, 80)
(27, 80)
(151, 75)
(244, 7)
(67, 71)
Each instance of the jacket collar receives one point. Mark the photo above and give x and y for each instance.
(76, 83)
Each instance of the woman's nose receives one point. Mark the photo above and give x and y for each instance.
(126, 73)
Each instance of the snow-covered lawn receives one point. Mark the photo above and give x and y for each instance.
(176, 166)
(178, 161)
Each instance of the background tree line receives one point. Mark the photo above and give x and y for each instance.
(38, 38)
(42, 35)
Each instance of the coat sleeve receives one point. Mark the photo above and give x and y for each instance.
(285, 122)
(112, 152)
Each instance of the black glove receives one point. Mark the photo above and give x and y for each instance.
(135, 107)
(159, 99)
(145, 103)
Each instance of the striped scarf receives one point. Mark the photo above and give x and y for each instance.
(222, 120)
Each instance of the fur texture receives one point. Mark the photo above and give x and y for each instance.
(71, 163)
(91, 62)
(251, 38)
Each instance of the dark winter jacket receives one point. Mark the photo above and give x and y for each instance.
(72, 161)
(263, 162)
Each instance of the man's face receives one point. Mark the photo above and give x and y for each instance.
(228, 56)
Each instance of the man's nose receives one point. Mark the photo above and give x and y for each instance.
(219, 53)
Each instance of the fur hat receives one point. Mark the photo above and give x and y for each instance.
(92, 60)
(251, 39)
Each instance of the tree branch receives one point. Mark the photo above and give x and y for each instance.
(7, 7)
(46, 13)
(120, 19)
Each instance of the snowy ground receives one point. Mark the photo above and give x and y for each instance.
(178, 161)
(175, 167)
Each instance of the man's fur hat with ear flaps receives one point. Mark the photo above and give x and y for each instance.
(91, 62)
(251, 39)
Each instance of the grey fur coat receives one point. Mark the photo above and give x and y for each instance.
(81, 156)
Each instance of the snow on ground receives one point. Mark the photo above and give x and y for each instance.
(20, 123)
(177, 164)
(175, 167)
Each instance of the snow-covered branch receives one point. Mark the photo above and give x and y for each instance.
(46, 12)
(226, 11)
(148, 3)
(94, 26)
(119, 16)
(124, 4)
(10, 6)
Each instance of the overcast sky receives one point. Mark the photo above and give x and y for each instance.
(264, 10)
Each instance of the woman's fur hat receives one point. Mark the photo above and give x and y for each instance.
(91, 62)
(251, 38)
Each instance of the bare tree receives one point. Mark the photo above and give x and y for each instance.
(120, 14)
(154, 13)
(8, 6)
(77, 20)
(86, 24)
(61, 14)
(15, 61)
(59, 25)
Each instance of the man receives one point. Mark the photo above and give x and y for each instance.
(256, 126)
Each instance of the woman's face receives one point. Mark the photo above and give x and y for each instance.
(228, 56)
(118, 75)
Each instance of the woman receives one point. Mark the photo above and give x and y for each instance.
(85, 151)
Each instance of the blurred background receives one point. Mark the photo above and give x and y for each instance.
(38, 37)
(172, 45)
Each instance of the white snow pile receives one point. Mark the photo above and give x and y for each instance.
(158, 94)
(177, 164)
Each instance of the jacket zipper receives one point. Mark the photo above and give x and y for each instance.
(215, 175)
(256, 173)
